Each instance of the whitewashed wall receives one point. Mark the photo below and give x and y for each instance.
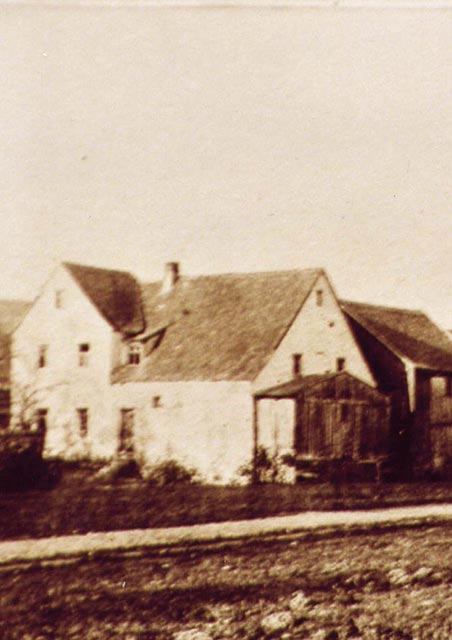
(276, 419)
(63, 386)
(205, 425)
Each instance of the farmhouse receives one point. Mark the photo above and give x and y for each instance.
(411, 359)
(176, 369)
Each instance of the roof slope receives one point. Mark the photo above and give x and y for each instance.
(220, 327)
(409, 334)
(116, 294)
(340, 385)
(11, 313)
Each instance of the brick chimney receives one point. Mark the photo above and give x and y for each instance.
(170, 276)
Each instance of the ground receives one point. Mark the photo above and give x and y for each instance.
(392, 584)
(77, 505)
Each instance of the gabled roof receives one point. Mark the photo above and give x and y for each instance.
(11, 313)
(219, 327)
(408, 334)
(116, 295)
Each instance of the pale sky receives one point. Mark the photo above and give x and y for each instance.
(229, 139)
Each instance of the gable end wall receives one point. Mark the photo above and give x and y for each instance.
(321, 334)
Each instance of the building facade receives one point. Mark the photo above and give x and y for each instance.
(106, 365)
(411, 360)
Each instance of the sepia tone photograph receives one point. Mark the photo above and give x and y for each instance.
(226, 320)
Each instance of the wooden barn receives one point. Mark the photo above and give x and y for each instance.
(337, 418)
(411, 360)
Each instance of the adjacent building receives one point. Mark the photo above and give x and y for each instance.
(207, 369)
(11, 313)
(411, 360)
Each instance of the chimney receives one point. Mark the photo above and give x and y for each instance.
(170, 276)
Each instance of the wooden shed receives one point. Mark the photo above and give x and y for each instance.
(337, 417)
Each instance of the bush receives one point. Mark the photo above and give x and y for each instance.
(169, 472)
(267, 468)
(22, 467)
(116, 469)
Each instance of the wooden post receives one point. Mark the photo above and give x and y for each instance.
(255, 439)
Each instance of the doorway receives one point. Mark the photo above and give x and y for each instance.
(126, 431)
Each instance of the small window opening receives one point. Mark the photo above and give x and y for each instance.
(83, 422)
(83, 354)
(344, 412)
(42, 356)
(59, 299)
(134, 353)
(448, 387)
(319, 297)
(156, 402)
(340, 364)
(4, 420)
(297, 364)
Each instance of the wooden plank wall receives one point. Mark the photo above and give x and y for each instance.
(328, 429)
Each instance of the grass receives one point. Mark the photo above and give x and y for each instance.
(78, 506)
(349, 581)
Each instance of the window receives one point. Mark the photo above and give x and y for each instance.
(59, 299)
(319, 297)
(83, 354)
(344, 412)
(126, 431)
(41, 420)
(296, 364)
(42, 356)
(340, 364)
(156, 402)
(134, 353)
(83, 422)
(448, 387)
(4, 420)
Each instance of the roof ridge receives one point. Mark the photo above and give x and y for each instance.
(382, 306)
(241, 274)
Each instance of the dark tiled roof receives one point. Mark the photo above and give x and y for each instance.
(220, 327)
(11, 313)
(292, 388)
(116, 294)
(409, 334)
(317, 383)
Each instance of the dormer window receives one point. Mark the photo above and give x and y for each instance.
(134, 353)
(83, 354)
(296, 365)
(42, 356)
(319, 297)
(59, 299)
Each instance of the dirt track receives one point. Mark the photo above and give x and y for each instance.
(66, 546)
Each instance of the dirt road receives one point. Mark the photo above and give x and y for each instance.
(74, 545)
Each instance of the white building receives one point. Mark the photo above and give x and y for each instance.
(170, 369)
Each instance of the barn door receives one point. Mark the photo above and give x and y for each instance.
(126, 431)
